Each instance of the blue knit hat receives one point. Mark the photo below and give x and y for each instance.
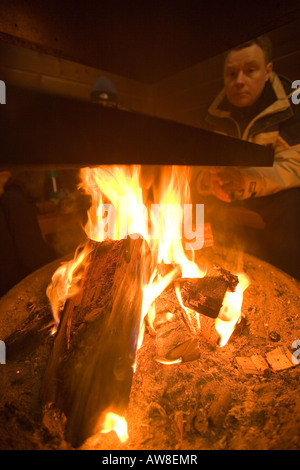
(103, 91)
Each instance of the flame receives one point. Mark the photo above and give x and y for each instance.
(166, 215)
(230, 314)
(53, 330)
(65, 282)
(167, 220)
(117, 202)
(114, 422)
(121, 206)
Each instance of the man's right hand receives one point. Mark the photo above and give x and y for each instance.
(223, 182)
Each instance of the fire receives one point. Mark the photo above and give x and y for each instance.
(65, 282)
(117, 208)
(114, 422)
(230, 313)
(53, 330)
(122, 207)
(172, 193)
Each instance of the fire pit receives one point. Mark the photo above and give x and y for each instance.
(214, 402)
(134, 338)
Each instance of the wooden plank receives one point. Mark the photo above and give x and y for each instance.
(173, 338)
(291, 358)
(278, 359)
(247, 366)
(259, 362)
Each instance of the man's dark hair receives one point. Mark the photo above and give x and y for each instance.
(263, 42)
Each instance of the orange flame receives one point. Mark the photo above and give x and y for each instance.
(65, 282)
(230, 313)
(117, 202)
(171, 195)
(119, 209)
(114, 422)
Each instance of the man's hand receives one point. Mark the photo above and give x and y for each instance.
(224, 182)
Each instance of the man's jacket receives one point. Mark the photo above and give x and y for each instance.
(273, 120)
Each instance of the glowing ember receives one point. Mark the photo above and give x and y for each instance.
(53, 330)
(168, 363)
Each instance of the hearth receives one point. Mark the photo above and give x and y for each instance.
(208, 403)
(163, 349)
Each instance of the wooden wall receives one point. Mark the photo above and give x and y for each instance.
(27, 68)
(183, 97)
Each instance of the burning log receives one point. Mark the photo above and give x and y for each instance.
(178, 325)
(90, 369)
(205, 295)
(174, 340)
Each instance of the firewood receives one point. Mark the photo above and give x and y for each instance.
(178, 330)
(90, 368)
(174, 340)
(279, 359)
(205, 295)
(247, 366)
(259, 362)
(34, 332)
(208, 331)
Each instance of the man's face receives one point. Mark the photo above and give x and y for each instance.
(245, 75)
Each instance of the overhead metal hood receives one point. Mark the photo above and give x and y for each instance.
(46, 130)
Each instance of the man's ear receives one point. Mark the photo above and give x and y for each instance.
(269, 69)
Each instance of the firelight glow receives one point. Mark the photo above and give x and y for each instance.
(108, 218)
(114, 422)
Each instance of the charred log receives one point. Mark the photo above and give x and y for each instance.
(90, 368)
(174, 340)
(205, 295)
(34, 332)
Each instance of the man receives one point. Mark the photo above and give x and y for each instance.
(255, 105)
